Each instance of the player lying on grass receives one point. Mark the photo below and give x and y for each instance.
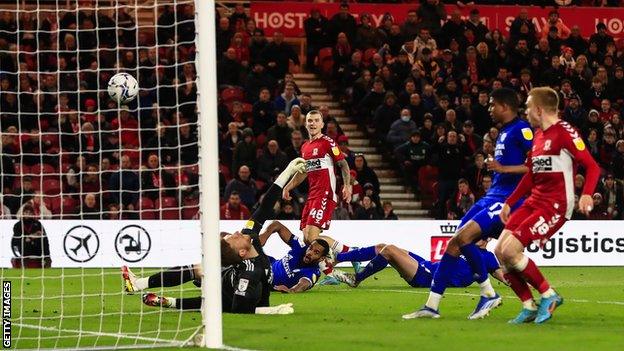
(482, 221)
(415, 270)
(557, 152)
(299, 269)
(246, 277)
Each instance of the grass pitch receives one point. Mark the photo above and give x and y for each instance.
(337, 318)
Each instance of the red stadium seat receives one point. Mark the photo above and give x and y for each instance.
(189, 212)
(169, 208)
(51, 187)
(44, 169)
(225, 170)
(146, 204)
(148, 214)
(68, 205)
(53, 203)
(232, 94)
(166, 202)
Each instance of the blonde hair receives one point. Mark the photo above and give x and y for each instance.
(546, 98)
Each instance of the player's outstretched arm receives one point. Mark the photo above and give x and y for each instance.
(276, 227)
(294, 182)
(301, 286)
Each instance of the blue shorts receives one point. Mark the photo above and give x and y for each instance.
(424, 274)
(485, 213)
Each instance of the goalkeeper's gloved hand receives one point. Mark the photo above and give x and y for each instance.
(279, 309)
(297, 165)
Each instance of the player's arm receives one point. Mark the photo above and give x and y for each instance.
(346, 178)
(577, 147)
(294, 182)
(276, 227)
(493, 165)
(301, 286)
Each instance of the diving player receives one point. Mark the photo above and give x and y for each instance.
(482, 220)
(415, 270)
(298, 270)
(247, 280)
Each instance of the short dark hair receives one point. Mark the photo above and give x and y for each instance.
(506, 96)
(235, 193)
(324, 244)
(228, 255)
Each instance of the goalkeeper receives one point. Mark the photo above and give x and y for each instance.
(246, 277)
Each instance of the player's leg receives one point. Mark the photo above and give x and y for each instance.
(172, 277)
(533, 228)
(467, 229)
(187, 303)
(359, 254)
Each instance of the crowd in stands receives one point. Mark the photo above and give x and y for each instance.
(68, 150)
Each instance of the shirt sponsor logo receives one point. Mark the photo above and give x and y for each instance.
(542, 164)
(313, 165)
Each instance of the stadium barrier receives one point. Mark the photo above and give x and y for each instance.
(152, 243)
(289, 17)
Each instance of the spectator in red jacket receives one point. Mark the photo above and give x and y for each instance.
(233, 208)
(129, 128)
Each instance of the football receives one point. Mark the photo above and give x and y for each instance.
(123, 88)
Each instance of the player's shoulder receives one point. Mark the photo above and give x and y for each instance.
(566, 133)
(328, 140)
(523, 129)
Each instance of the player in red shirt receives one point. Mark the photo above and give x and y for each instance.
(320, 154)
(557, 150)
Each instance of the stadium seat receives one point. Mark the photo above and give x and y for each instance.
(189, 212)
(232, 94)
(51, 187)
(68, 205)
(225, 170)
(168, 208)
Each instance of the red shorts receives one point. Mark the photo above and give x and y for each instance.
(532, 223)
(317, 212)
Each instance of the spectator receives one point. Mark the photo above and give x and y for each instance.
(401, 129)
(19, 196)
(613, 197)
(482, 119)
(426, 66)
(599, 211)
(296, 120)
(375, 97)
(272, 161)
(234, 209)
(555, 21)
(229, 142)
(30, 242)
(305, 101)
(454, 28)
(366, 37)
(263, 112)
(450, 158)
(606, 112)
(367, 210)
(163, 144)
(129, 127)
(258, 80)
(343, 145)
(592, 123)
(317, 36)
(91, 180)
(280, 131)
(475, 172)
(412, 155)
(155, 181)
(5, 212)
(230, 70)
(39, 208)
(463, 200)
(388, 211)
(244, 185)
(472, 142)
(474, 23)
(90, 209)
(294, 149)
(617, 164)
(124, 185)
(287, 211)
(257, 45)
(431, 14)
(332, 130)
(365, 174)
(245, 151)
(601, 38)
(520, 21)
(411, 26)
(385, 115)
(286, 100)
(486, 184)
(278, 56)
(343, 22)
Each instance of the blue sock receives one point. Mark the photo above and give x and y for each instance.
(375, 265)
(473, 255)
(357, 255)
(443, 274)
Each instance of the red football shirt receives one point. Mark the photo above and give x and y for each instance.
(320, 155)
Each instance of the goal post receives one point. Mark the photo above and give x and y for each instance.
(205, 61)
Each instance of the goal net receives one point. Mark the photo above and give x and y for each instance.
(88, 185)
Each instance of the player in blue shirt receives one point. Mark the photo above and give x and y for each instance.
(299, 269)
(415, 270)
(482, 220)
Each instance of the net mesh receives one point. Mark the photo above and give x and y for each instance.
(87, 183)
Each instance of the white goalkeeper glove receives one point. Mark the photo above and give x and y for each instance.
(279, 309)
(297, 165)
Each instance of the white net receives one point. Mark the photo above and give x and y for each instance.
(89, 185)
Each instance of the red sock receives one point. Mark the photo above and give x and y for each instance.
(519, 285)
(345, 248)
(534, 277)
